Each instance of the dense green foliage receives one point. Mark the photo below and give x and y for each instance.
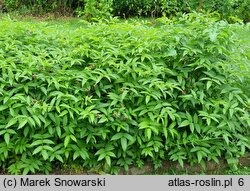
(229, 9)
(119, 94)
(43, 6)
(96, 9)
(240, 65)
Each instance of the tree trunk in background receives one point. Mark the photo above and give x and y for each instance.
(200, 5)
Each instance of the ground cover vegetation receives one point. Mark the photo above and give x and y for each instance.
(114, 94)
(232, 10)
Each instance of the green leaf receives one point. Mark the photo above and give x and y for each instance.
(47, 141)
(84, 154)
(203, 164)
(195, 149)
(7, 138)
(3, 107)
(76, 155)
(73, 138)
(10, 131)
(124, 143)
(49, 148)
(208, 120)
(184, 123)
(26, 131)
(52, 104)
(101, 156)
(226, 138)
(58, 109)
(181, 162)
(2, 132)
(172, 125)
(111, 154)
(165, 132)
(44, 90)
(108, 160)
(147, 99)
(148, 133)
(128, 136)
(117, 136)
(103, 119)
(22, 122)
(31, 121)
(58, 157)
(37, 120)
(64, 112)
(199, 155)
(66, 141)
(26, 171)
(189, 117)
(65, 120)
(191, 127)
(58, 131)
(45, 154)
(91, 118)
(231, 112)
(37, 150)
(209, 83)
(215, 159)
(37, 142)
(11, 122)
(124, 94)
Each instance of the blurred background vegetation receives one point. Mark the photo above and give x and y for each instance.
(231, 10)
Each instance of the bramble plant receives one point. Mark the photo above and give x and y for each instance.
(119, 94)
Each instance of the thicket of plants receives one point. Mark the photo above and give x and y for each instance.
(228, 9)
(241, 58)
(119, 94)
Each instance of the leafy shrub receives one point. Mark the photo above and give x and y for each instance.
(118, 94)
(97, 9)
(154, 8)
(229, 8)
